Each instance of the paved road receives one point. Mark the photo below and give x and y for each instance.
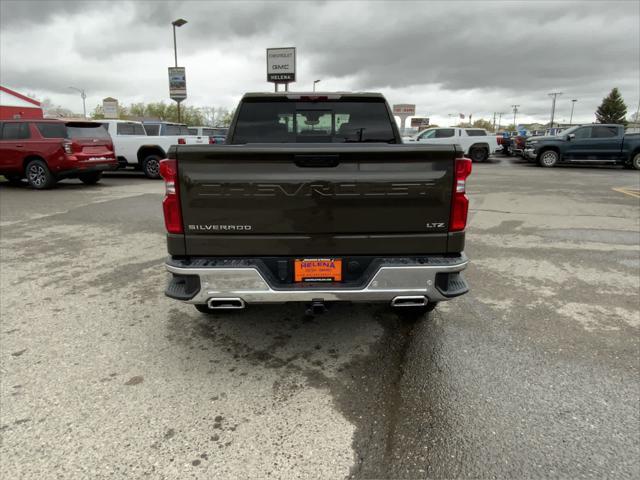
(532, 374)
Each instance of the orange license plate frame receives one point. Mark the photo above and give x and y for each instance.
(318, 270)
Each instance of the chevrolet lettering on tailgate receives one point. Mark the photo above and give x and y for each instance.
(346, 189)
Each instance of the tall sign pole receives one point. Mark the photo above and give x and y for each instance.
(177, 76)
(281, 66)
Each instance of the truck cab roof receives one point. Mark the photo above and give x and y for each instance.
(297, 95)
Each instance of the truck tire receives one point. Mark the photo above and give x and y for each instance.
(38, 175)
(635, 163)
(151, 166)
(413, 314)
(548, 158)
(479, 154)
(90, 178)
(203, 308)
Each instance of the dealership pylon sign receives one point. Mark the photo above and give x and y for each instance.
(404, 111)
(281, 66)
(177, 84)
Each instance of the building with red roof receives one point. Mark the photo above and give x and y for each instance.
(14, 105)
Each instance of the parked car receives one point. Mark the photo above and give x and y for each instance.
(134, 148)
(517, 144)
(605, 143)
(475, 142)
(177, 131)
(45, 151)
(214, 134)
(315, 199)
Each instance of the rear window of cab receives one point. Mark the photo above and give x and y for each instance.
(52, 129)
(476, 133)
(72, 130)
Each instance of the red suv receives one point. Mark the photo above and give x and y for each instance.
(45, 151)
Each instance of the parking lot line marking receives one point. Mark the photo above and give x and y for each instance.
(628, 191)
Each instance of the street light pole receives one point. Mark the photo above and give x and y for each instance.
(175, 48)
(553, 105)
(177, 23)
(314, 84)
(573, 103)
(84, 97)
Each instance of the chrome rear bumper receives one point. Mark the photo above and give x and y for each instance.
(389, 281)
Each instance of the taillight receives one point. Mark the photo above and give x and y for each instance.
(459, 200)
(171, 202)
(212, 140)
(182, 141)
(67, 147)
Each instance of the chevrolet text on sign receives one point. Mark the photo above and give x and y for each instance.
(281, 65)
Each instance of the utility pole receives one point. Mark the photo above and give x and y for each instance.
(494, 121)
(500, 119)
(515, 111)
(573, 103)
(553, 105)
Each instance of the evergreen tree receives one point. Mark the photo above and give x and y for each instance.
(612, 109)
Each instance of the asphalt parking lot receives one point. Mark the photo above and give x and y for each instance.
(534, 373)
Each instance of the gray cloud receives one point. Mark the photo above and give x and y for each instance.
(483, 55)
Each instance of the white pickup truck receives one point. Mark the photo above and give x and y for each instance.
(174, 130)
(134, 148)
(477, 143)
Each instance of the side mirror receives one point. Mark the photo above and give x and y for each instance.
(571, 136)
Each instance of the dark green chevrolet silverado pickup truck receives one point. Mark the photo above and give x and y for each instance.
(596, 143)
(315, 199)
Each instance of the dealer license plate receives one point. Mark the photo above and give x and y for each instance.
(318, 270)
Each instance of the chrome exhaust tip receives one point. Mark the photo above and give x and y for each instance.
(409, 301)
(225, 303)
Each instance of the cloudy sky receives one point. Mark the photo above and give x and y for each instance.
(447, 57)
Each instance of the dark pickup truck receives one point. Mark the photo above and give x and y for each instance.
(315, 199)
(599, 143)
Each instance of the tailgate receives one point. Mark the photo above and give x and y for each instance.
(315, 199)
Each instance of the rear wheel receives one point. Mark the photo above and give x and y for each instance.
(90, 178)
(635, 163)
(151, 166)
(39, 176)
(548, 158)
(479, 154)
